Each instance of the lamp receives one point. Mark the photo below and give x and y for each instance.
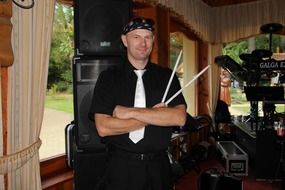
(24, 6)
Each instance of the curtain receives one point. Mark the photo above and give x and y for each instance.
(235, 22)
(214, 79)
(194, 13)
(31, 38)
(227, 23)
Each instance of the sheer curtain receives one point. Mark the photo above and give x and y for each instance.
(226, 23)
(214, 77)
(31, 34)
(235, 22)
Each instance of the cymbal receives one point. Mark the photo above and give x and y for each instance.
(249, 58)
(262, 53)
(271, 27)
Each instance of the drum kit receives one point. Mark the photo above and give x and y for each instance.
(257, 66)
(257, 70)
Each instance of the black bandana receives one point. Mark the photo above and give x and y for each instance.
(139, 23)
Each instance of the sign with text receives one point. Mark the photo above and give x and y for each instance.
(272, 64)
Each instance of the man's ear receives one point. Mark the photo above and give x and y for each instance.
(124, 40)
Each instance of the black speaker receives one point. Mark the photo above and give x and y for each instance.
(98, 26)
(89, 168)
(213, 179)
(85, 74)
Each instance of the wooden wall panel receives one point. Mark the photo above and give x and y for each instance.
(6, 53)
(203, 81)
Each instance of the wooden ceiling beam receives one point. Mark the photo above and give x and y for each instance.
(212, 3)
(219, 3)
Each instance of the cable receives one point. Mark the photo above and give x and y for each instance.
(24, 6)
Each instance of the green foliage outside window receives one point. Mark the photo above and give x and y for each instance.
(60, 65)
(234, 49)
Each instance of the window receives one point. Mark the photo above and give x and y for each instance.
(253, 76)
(187, 66)
(59, 98)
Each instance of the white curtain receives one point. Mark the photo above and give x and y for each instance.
(226, 23)
(214, 77)
(31, 34)
(235, 22)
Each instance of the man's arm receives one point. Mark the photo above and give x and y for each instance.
(158, 115)
(126, 119)
(108, 125)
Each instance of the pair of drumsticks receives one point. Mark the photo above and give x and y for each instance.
(171, 78)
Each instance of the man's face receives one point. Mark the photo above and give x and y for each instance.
(139, 43)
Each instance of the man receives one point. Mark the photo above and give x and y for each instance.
(141, 163)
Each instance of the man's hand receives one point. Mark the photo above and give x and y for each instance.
(122, 112)
(160, 105)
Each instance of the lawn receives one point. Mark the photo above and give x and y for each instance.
(60, 102)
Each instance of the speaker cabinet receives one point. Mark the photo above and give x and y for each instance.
(89, 168)
(98, 26)
(85, 74)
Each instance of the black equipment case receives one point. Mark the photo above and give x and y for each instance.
(212, 179)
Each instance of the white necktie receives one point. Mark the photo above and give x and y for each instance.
(138, 134)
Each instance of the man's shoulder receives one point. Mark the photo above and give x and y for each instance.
(112, 70)
(159, 68)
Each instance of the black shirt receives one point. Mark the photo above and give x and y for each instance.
(116, 86)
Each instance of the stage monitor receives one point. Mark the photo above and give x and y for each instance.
(262, 93)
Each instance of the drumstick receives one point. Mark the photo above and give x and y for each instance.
(171, 77)
(179, 91)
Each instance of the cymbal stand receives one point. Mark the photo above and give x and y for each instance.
(253, 115)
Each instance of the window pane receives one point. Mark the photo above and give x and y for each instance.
(59, 98)
(253, 76)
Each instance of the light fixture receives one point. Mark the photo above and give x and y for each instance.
(24, 6)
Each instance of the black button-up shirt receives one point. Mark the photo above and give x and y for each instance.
(116, 86)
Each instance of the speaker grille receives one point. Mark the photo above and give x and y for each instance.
(98, 26)
(86, 72)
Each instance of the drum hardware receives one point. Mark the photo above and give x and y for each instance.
(249, 58)
(262, 53)
(271, 28)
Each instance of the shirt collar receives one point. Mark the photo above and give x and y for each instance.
(131, 68)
